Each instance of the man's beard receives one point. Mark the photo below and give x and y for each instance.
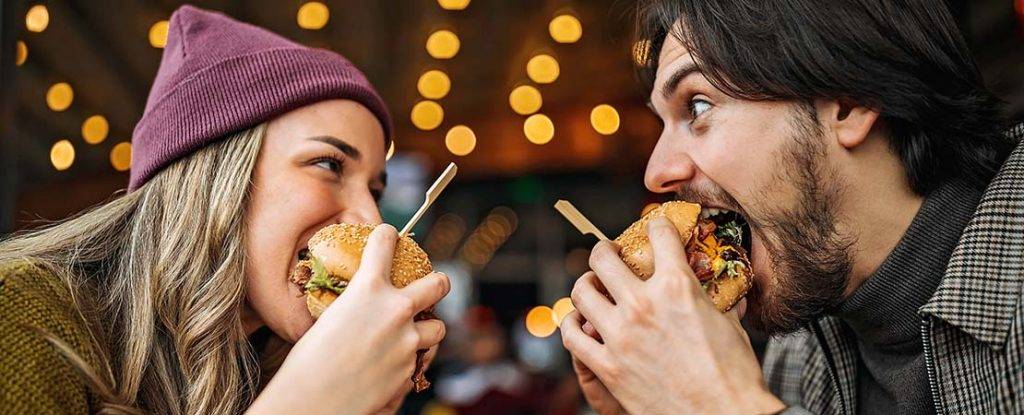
(810, 260)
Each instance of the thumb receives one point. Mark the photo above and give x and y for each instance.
(375, 264)
(736, 313)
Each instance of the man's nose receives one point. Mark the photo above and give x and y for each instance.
(668, 168)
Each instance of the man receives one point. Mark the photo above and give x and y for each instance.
(885, 207)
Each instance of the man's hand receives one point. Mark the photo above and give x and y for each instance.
(596, 394)
(662, 347)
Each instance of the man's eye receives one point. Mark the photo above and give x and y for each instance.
(698, 107)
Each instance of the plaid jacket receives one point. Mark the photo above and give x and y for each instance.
(972, 329)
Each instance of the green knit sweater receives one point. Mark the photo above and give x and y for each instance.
(34, 377)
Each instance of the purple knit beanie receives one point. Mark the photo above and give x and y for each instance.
(218, 76)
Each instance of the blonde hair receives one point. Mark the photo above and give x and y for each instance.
(165, 267)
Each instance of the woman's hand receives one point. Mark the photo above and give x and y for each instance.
(361, 353)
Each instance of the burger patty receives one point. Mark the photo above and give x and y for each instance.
(706, 245)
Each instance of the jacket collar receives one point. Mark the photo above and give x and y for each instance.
(981, 288)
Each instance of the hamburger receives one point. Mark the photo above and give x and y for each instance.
(326, 267)
(714, 249)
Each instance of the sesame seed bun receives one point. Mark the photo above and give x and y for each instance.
(725, 291)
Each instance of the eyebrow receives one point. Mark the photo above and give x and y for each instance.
(341, 145)
(673, 82)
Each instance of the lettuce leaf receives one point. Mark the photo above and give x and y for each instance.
(321, 280)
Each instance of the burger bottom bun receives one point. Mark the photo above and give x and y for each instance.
(725, 291)
(318, 300)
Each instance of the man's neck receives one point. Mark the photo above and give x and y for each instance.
(878, 207)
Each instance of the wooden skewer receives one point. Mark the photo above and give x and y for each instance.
(432, 194)
(577, 219)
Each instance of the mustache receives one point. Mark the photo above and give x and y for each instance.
(710, 196)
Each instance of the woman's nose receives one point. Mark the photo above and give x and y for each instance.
(361, 209)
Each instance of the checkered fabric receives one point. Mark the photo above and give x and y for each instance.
(972, 328)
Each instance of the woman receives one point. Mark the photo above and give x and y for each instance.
(149, 303)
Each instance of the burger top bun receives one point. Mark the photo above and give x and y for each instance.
(340, 247)
(636, 247)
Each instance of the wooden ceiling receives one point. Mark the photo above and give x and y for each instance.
(101, 49)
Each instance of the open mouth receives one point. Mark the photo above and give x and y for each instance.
(731, 227)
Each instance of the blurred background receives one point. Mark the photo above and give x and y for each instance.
(535, 100)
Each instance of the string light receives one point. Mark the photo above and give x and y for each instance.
(605, 119)
(453, 4)
(121, 156)
(313, 15)
(542, 69)
(59, 96)
(539, 129)
(427, 115)
(434, 84)
(565, 29)
(460, 140)
(540, 321)
(20, 53)
(62, 155)
(525, 100)
(443, 44)
(37, 18)
(561, 309)
(95, 129)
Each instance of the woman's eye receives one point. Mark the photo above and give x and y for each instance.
(698, 107)
(328, 164)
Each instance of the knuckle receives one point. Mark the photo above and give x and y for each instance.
(404, 307)
(611, 369)
(662, 228)
(600, 254)
(577, 291)
(386, 232)
(639, 311)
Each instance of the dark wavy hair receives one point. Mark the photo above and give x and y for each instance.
(905, 59)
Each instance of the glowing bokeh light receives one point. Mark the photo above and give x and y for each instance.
(453, 4)
(62, 155)
(158, 34)
(313, 16)
(60, 96)
(542, 69)
(121, 156)
(565, 29)
(95, 129)
(540, 321)
(561, 309)
(434, 84)
(443, 44)
(37, 18)
(427, 115)
(20, 53)
(605, 119)
(525, 100)
(460, 140)
(539, 129)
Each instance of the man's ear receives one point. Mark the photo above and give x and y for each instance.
(851, 123)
